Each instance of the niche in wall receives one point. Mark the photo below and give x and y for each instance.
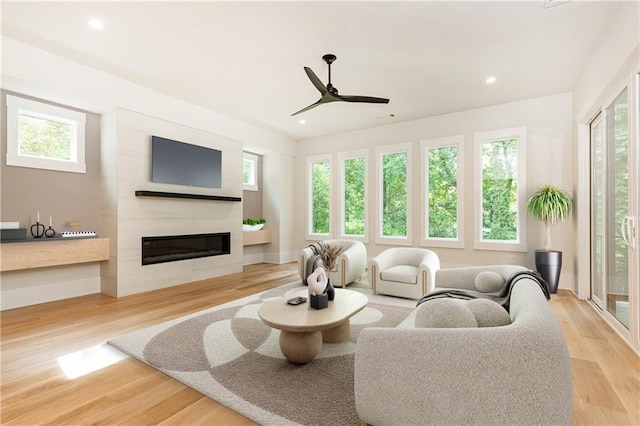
(252, 185)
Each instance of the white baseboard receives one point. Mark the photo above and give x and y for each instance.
(252, 259)
(32, 287)
(17, 298)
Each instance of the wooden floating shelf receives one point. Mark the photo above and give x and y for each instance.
(52, 252)
(256, 237)
(161, 194)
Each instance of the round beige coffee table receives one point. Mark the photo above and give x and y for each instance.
(303, 329)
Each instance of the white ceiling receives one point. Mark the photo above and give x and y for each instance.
(246, 59)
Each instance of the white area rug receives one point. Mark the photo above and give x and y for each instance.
(228, 354)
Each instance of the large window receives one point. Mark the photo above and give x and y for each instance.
(394, 189)
(319, 190)
(442, 192)
(44, 136)
(500, 189)
(249, 172)
(354, 194)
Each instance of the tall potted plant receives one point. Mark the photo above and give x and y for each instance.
(550, 205)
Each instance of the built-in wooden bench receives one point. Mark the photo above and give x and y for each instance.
(256, 237)
(15, 256)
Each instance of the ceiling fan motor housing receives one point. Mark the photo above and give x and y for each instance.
(329, 58)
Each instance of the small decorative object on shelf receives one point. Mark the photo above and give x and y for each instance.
(37, 230)
(50, 232)
(78, 234)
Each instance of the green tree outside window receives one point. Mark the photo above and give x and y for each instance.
(354, 196)
(442, 199)
(40, 137)
(394, 195)
(320, 197)
(500, 190)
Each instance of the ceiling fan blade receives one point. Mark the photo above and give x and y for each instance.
(325, 99)
(315, 80)
(366, 99)
(308, 108)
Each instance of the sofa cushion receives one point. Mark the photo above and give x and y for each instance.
(489, 281)
(444, 313)
(401, 273)
(488, 313)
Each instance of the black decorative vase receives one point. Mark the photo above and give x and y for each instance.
(331, 292)
(549, 264)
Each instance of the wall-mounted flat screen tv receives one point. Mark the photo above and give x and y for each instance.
(181, 163)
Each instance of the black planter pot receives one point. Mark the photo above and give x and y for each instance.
(549, 264)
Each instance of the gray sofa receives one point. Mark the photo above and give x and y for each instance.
(518, 373)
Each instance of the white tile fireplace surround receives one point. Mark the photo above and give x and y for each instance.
(127, 217)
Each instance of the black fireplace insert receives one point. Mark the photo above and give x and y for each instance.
(172, 248)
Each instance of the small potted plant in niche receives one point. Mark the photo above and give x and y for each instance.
(550, 205)
(251, 224)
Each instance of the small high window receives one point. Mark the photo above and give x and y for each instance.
(44, 136)
(249, 172)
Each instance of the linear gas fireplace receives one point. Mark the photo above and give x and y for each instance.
(181, 247)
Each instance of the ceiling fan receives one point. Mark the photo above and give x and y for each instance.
(330, 93)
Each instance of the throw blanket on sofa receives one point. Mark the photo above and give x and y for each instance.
(501, 297)
(312, 261)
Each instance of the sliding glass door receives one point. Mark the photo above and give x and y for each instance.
(597, 211)
(614, 206)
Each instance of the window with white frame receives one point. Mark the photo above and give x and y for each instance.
(500, 185)
(354, 194)
(319, 196)
(44, 136)
(442, 192)
(394, 194)
(249, 172)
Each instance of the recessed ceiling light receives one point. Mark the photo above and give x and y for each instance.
(302, 121)
(96, 24)
(490, 80)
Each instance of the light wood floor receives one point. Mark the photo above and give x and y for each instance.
(35, 391)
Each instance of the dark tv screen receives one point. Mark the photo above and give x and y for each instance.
(181, 163)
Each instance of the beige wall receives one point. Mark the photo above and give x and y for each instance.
(252, 200)
(62, 195)
(65, 197)
(548, 156)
